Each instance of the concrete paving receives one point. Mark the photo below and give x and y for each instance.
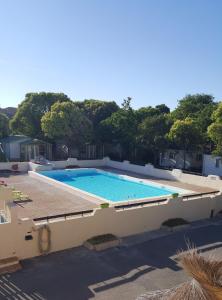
(142, 263)
(48, 200)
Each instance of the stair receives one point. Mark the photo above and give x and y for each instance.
(9, 265)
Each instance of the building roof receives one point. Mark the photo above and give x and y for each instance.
(14, 138)
(22, 139)
(33, 141)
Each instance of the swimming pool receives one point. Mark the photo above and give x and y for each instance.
(110, 186)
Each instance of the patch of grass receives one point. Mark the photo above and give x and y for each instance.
(99, 239)
(175, 222)
(104, 205)
(175, 195)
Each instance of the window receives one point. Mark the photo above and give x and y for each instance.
(172, 155)
(217, 164)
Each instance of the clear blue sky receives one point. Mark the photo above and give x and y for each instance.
(155, 51)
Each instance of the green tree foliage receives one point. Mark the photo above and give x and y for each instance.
(149, 111)
(186, 135)
(215, 130)
(66, 122)
(191, 105)
(29, 113)
(121, 127)
(163, 109)
(152, 133)
(198, 107)
(97, 111)
(4, 125)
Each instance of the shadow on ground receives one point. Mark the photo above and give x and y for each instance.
(80, 274)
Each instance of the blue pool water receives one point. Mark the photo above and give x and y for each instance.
(107, 185)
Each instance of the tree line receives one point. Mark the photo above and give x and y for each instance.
(195, 124)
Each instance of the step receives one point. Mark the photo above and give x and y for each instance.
(9, 265)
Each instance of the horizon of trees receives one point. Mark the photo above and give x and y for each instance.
(194, 125)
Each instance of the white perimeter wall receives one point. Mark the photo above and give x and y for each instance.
(74, 232)
(175, 174)
(148, 169)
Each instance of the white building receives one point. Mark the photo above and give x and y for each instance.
(212, 165)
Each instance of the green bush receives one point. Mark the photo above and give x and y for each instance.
(175, 195)
(101, 239)
(175, 222)
(104, 205)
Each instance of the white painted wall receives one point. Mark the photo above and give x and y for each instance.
(209, 165)
(148, 170)
(74, 232)
(175, 174)
(22, 166)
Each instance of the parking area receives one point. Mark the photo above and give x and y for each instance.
(142, 263)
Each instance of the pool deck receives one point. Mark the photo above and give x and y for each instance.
(48, 200)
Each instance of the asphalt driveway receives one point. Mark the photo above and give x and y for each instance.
(142, 263)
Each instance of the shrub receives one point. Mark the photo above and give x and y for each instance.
(175, 195)
(101, 239)
(175, 222)
(104, 205)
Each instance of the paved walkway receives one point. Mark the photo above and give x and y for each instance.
(47, 200)
(142, 263)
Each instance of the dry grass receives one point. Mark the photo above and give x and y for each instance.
(205, 283)
(206, 274)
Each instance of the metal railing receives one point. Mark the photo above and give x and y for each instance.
(215, 193)
(139, 204)
(72, 214)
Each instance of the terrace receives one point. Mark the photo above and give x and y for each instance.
(48, 200)
(72, 218)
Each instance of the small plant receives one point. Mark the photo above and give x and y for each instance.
(104, 205)
(175, 195)
(102, 239)
(175, 222)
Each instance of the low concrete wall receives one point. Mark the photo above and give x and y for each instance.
(72, 232)
(80, 163)
(27, 166)
(148, 170)
(22, 166)
(175, 174)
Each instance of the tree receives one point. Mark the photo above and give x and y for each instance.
(65, 121)
(163, 109)
(192, 105)
(121, 127)
(152, 134)
(4, 125)
(186, 134)
(27, 119)
(215, 130)
(149, 111)
(97, 111)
